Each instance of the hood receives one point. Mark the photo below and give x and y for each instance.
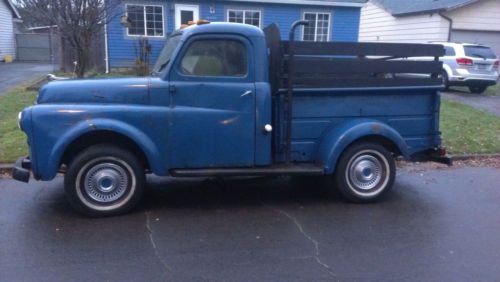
(108, 91)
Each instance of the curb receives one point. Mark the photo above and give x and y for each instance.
(472, 157)
(7, 166)
(36, 84)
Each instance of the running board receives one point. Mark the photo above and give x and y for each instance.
(298, 169)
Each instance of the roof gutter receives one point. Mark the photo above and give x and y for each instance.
(414, 13)
(308, 2)
(450, 20)
(462, 5)
(14, 9)
(431, 11)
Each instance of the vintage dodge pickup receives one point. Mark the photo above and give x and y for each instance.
(233, 100)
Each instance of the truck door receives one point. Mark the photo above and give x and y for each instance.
(213, 103)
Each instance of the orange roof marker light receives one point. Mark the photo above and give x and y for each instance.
(198, 22)
(201, 22)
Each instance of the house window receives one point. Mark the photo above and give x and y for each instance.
(251, 17)
(146, 20)
(318, 28)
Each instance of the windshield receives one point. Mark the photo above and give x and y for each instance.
(479, 52)
(166, 53)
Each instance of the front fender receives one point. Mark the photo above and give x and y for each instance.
(86, 126)
(338, 139)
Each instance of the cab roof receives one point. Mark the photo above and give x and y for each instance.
(222, 27)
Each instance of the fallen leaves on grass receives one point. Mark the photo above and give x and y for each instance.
(479, 161)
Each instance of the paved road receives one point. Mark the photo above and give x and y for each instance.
(14, 74)
(489, 104)
(438, 225)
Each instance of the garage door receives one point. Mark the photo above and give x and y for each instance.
(33, 47)
(491, 39)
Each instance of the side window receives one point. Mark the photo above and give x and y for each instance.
(449, 51)
(215, 58)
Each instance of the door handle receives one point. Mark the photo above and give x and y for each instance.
(249, 92)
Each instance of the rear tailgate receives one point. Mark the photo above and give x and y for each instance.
(483, 59)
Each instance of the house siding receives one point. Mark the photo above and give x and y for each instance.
(377, 24)
(7, 37)
(484, 16)
(344, 24)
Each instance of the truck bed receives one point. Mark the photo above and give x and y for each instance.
(411, 111)
(334, 85)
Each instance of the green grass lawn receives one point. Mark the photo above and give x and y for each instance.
(469, 131)
(493, 90)
(12, 140)
(465, 129)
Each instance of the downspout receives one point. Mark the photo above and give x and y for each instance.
(451, 24)
(106, 56)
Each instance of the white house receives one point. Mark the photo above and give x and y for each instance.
(469, 21)
(8, 15)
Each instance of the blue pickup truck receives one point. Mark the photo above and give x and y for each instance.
(233, 100)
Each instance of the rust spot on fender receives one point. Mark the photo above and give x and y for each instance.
(376, 128)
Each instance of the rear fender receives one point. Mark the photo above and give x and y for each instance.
(339, 138)
(448, 70)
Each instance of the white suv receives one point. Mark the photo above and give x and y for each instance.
(471, 65)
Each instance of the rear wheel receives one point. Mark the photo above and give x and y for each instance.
(365, 172)
(445, 79)
(477, 89)
(104, 180)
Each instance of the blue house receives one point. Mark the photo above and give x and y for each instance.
(331, 20)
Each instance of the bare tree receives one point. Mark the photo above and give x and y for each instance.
(78, 22)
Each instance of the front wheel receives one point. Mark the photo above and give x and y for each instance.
(104, 180)
(365, 172)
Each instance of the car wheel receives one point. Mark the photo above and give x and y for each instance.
(104, 180)
(445, 79)
(477, 89)
(365, 172)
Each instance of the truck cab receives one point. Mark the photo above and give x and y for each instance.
(232, 100)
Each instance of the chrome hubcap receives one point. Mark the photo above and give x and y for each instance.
(365, 172)
(106, 182)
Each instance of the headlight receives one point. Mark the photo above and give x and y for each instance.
(19, 117)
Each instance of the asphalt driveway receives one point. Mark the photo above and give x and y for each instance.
(440, 225)
(490, 104)
(14, 74)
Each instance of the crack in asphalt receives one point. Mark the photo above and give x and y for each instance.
(301, 229)
(311, 239)
(152, 241)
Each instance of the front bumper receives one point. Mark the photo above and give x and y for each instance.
(21, 170)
